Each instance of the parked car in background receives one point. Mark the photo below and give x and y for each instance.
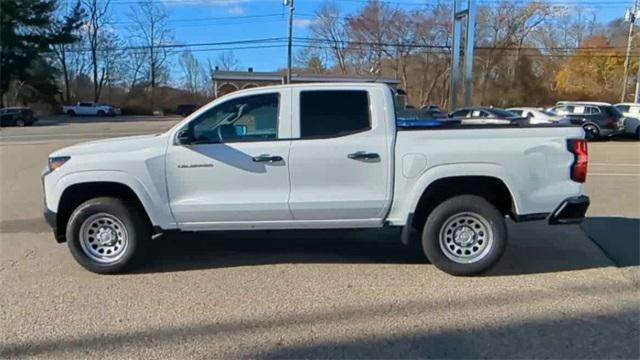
(91, 109)
(483, 112)
(629, 109)
(536, 115)
(598, 119)
(185, 110)
(17, 116)
(430, 108)
(631, 112)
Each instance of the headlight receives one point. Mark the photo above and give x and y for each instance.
(56, 162)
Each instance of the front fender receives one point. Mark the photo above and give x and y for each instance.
(158, 212)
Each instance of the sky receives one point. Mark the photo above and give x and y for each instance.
(213, 21)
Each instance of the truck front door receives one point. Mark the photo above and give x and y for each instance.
(235, 167)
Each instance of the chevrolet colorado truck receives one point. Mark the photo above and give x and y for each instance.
(315, 156)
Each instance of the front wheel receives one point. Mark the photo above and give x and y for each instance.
(464, 235)
(106, 236)
(101, 113)
(20, 123)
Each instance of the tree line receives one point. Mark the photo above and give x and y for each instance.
(527, 53)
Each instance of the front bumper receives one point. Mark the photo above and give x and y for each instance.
(52, 220)
(570, 211)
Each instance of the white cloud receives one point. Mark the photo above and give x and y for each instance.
(235, 10)
(303, 23)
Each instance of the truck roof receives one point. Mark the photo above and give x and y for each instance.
(315, 85)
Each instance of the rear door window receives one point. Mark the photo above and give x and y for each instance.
(332, 113)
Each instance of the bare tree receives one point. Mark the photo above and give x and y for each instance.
(99, 22)
(134, 63)
(151, 28)
(227, 61)
(194, 73)
(329, 32)
(67, 26)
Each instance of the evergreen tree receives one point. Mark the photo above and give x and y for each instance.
(28, 30)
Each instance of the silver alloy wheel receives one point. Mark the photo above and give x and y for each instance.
(103, 238)
(20, 122)
(466, 238)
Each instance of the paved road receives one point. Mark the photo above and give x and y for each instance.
(325, 294)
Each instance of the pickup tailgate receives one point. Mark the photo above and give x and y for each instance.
(533, 162)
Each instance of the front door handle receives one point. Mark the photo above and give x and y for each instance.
(362, 155)
(267, 158)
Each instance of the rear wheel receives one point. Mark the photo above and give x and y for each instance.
(71, 113)
(106, 236)
(591, 131)
(464, 235)
(101, 113)
(638, 133)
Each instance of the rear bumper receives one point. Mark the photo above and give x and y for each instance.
(570, 211)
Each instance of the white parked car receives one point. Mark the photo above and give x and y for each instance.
(629, 109)
(536, 115)
(280, 158)
(631, 112)
(91, 109)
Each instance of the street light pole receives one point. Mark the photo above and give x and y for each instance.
(631, 18)
(289, 46)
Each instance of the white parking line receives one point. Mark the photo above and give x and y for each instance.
(613, 174)
(614, 164)
(67, 135)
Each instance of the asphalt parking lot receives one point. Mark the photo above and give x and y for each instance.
(560, 292)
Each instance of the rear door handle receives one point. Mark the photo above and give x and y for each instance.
(363, 155)
(267, 158)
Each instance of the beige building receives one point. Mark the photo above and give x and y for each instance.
(225, 82)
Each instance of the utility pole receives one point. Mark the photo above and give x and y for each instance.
(289, 3)
(629, 17)
(460, 14)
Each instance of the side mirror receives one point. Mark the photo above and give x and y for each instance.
(184, 136)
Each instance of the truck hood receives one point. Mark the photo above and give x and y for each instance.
(113, 145)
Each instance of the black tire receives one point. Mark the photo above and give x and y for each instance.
(638, 133)
(446, 214)
(20, 122)
(101, 113)
(71, 113)
(591, 132)
(136, 227)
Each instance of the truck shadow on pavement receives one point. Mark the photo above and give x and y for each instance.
(534, 248)
(554, 335)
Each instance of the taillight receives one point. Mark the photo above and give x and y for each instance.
(578, 148)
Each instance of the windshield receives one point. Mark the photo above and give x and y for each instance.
(502, 113)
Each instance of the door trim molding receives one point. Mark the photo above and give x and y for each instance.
(282, 224)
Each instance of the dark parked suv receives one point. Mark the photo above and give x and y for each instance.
(17, 116)
(597, 119)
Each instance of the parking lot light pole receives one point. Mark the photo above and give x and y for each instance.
(289, 3)
(629, 17)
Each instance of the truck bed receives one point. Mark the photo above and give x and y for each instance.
(532, 161)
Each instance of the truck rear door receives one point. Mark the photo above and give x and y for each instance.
(340, 157)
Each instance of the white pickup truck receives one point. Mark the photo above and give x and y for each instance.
(315, 156)
(90, 109)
